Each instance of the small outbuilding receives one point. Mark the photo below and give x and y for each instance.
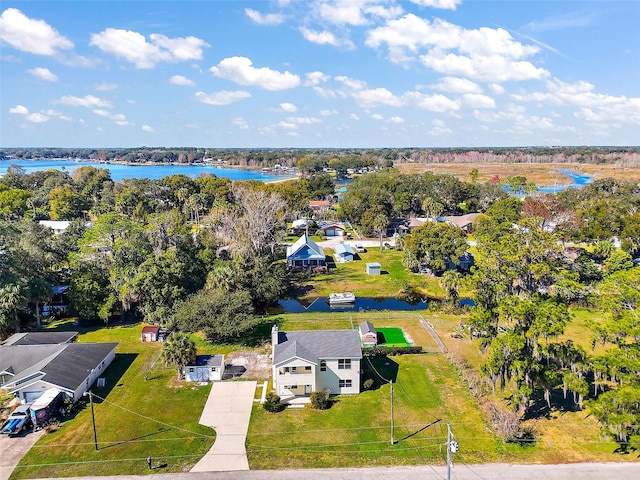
(368, 334)
(150, 333)
(208, 368)
(373, 268)
(344, 253)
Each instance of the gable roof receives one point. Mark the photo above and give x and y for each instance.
(343, 248)
(367, 327)
(208, 361)
(39, 338)
(461, 221)
(303, 242)
(151, 329)
(313, 345)
(65, 365)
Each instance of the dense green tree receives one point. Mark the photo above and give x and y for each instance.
(13, 203)
(506, 210)
(433, 244)
(65, 203)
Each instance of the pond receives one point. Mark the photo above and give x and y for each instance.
(321, 304)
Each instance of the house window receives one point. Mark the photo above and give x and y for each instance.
(307, 369)
(344, 383)
(213, 369)
(323, 365)
(344, 364)
(191, 369)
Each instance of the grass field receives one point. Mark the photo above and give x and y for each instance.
(393, 337)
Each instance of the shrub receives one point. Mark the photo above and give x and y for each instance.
(272, 403)
(320, 400)
(368, 384)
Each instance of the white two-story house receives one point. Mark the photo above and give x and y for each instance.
(318, 360)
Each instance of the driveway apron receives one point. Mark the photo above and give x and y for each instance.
(227, 411)
(12, 449)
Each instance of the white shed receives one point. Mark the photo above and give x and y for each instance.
(373, 268)
(208, 368)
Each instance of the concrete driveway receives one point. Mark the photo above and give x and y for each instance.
(13, 449)
(227, 411)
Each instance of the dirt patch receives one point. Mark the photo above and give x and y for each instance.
(249, 364)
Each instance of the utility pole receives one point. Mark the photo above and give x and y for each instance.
(392, 441)
(452, 447)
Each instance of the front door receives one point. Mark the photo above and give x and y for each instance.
(307, 389)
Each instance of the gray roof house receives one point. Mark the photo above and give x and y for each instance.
(368, 334)
(39, 338)
(315, 360)
(27, 370)
(305, 254)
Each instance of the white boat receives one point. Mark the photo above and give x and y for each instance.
(339, 298)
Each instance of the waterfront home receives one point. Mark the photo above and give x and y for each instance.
(315, 360)
(306, 255)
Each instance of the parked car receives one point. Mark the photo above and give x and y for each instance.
(17, 421)
(360, 248)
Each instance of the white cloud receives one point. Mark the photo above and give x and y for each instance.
(355, 12)
(457, 85)
(19, 110)
(377, 116)
(321, 38)
(478, 100)
(396, 119)
(288, 125)
(241, 71)
(264, 18)
(88, 101)
(488, 54)
(354, 116)
(37, 118)
(147, 128)
(439, 128)
(315, 78)
(181, 80)
(134, 47)
(434, 103)
(288, 107)
(31, 117)
(240, 122)
(106, 87)
(303, 120)
(119, 118)
(328, 113)
(43, 74)
(31, 35)
(444, 4)
(222, 97)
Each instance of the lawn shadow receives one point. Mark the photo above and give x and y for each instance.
(380, 369)
(539, 408)
(114, 373)
(406, 437)
(160, 430)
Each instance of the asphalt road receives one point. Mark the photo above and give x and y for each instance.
(586, 471)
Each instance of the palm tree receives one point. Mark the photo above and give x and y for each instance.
(451, 282)
(179, 350)
(12, 299)
(39, 291)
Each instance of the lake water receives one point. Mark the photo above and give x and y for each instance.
(579, 181)
(320, 304)
(154, 172)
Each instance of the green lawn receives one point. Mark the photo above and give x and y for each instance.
(393, 337)
(138, 417)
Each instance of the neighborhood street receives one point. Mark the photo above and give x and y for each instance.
(594, 471)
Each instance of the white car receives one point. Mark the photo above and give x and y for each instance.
(360, 248)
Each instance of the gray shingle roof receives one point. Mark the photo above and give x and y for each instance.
(209, 361)
(39, 338)
(367, 327)
(18, 358)
(313, 345)
(72, 366)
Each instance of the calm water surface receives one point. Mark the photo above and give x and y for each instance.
(154, 172)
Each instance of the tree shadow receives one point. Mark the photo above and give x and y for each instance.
(539, 408)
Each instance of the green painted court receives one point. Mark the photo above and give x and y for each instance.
(391, 337)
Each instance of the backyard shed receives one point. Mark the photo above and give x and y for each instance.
(373, 268)
(344, 253)
(368, 334)
(208, 368)
(150, 333)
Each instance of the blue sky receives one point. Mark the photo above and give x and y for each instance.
(322, 73)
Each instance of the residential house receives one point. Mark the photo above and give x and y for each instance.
(35, 362)
(207, 368)
(317, 360)
(465, 262)
(300, 226)
(306, 255)
(58, 226)
(464, 222)
(319, 205)
(332, 229)
(368, 334)
(344, 253)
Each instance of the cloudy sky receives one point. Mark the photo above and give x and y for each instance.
(319, 73)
